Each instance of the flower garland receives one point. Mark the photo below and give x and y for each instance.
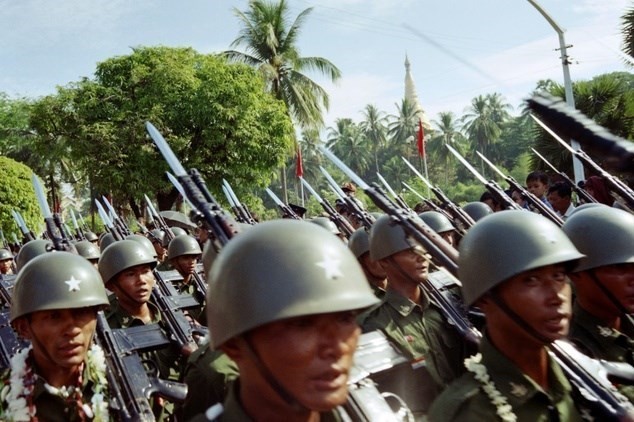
(22, 382)
(479, 371)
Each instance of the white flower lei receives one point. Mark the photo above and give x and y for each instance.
(479, 371)
(17, 391)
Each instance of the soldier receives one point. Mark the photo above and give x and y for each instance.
(477, 210)
(283, 299)
(6, 262)
(92, 237)
(157, 237)
(61, 376)
(31, 250)
(513, 265)
(329, 225)
(359, 244)
(407, 316)
(602, 325)
(88, 250)
(441, 225)
(183, 255)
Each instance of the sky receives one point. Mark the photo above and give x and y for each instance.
(458, 49)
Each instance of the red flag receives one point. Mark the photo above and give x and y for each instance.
(421, 139)
(299, 168)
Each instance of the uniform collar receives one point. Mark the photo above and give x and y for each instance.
(517, 387)
(403, 305)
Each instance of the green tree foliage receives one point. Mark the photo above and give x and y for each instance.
(17, 193)
(213, 114)
(627, 32)
(607, 99)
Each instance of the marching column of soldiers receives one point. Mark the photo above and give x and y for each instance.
(481, 313)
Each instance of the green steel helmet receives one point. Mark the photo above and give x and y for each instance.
(359, 242)
(604, 234)
(122, 255)
(281, 269)
(387, 237)
(477, 210)
(326, 223)
(30, 250)
(59, 280)
(183, 245)
(142, 240)
(5, 254)
(209, 256)
(90, 236)
(178, 231)
(508, 243)
(585, 206)
(436, 221)
(87, 249)
(107, 240)
(157, 236)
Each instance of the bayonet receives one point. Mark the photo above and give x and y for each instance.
(341, 222)
(54, 225)
(399, 200)
(180, 189)
(244, 212)
(287, 212)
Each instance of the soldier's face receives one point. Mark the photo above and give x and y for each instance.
(413, 262)
(540, 297)
(5, 266)
(619, 280)
(60, 337)
(185, 264)
(310, 357)
(134, 284)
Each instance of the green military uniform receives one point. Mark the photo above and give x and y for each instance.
(421, 332)
(600, 342)
(233, 410)
(465, 399)
(49, 407)
(208, 375)
(168, 360)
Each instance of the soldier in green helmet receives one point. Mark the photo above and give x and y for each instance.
(329, 225)
(6, 262)
(88, 250)
(513, 266)
(441, 225)
(602, 324)
(477, 210)
(183, 254)
(407, 316)
(359, 244)
(31, 250)
(291, 329)
(61, 375)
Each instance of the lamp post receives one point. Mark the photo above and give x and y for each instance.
(570, 100)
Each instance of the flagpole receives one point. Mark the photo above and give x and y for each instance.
(301, 190)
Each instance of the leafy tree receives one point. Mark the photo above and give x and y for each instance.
(482, 125)
(402, 130)
(17, 193)
(447, 133)
(374, 128)
(348, 143)
(14, 124)
(212, 113)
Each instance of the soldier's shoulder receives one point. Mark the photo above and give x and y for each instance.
(458, 401)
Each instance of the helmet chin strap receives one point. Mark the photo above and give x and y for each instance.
(286, 395)
(500, 303)
(593, 276)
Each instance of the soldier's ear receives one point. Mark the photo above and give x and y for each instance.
(234, 348)
(22, 327)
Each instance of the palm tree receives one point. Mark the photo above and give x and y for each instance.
(402, 130)
(447, 133)
(374, 127)
(481, 127)
(627, 31)
(270, 40)
(348, 143)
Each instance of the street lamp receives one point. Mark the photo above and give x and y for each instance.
(570, 99)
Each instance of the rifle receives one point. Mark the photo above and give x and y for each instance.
(287, 212)
(428, 202)
(432, 242)
(590, 384)
(398, 198)
(159, 221)
(581, 193)
(615, 185)
(456, 212)
(118, 222)
(129, 384)
(108, 224)
(543, 209)
(221, 226)
(242, 212)
(351, 203)
(342, 223)
(27, 235)
(79, 232)
(619, 152)
(54, 225)
(491, 185)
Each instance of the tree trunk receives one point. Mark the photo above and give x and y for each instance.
(166, 200)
